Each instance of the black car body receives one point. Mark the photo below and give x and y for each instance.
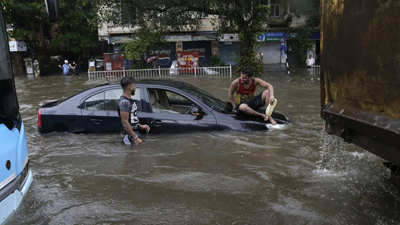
(165, 105)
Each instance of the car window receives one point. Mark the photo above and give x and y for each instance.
(96, 102)
(163, 101)
(111, 99)
(173, 96)
(213, 102)
(112, 96)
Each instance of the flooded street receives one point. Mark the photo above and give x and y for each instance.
(296, 175)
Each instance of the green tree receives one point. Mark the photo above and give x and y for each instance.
(77, 27)
(247, 17)
(312, 12)
(301, 43)
(27, 18)
(145, 40)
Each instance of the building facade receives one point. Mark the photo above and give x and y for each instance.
(275, 45)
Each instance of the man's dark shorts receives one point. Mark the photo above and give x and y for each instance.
(254, 103)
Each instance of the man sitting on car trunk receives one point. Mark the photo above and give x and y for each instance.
(248, 103)
(127, 111)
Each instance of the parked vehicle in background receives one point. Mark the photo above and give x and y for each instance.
(174, 68)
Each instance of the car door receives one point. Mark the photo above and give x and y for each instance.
(94, 114)
(100, 110)
(170, 111)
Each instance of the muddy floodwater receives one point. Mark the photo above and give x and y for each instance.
(294, 175)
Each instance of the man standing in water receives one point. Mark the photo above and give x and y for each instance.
(127, 111)
(65, 68)
(248, 103)
(310, 61)
(75, 68)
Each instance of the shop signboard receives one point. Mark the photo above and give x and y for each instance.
(188, 62)
(204, 37)
(200, 51)
(177, 38)
(267, 39)
(274, 35)
(17, 46)
(120, 39)
(314, 35)
(229, 37)
(179, 46)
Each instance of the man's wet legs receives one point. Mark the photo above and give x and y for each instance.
(244, 108)
(265, 98)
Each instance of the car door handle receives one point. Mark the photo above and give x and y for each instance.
(96, 121)
(156, 123)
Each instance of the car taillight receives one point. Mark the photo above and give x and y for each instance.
(39, 119)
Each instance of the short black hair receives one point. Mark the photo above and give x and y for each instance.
(126, 81)
(248, 71)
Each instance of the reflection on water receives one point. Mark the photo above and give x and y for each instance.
(290, 175)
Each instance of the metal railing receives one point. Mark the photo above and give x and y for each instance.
(160, 73)
(315, 69)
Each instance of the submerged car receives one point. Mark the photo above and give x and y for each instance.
(165, 105)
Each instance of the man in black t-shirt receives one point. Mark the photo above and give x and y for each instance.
(127, 111)
(75, 68)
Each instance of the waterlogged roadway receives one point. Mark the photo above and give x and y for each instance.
(297, 175)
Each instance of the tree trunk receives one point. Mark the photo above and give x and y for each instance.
(248, 41)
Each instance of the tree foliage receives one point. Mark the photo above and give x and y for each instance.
(145, 40)
(246, 17)
(313, 13)
(301, 43)
(77, 27)
(76, 30)
(27, 17)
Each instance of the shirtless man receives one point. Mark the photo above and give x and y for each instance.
(248, 103)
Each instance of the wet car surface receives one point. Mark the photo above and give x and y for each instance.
(165, 105)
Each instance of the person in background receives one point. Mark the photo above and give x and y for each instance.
(310, 61)
(248, 103)
(76, 68)
(128, 113)
(65, 68)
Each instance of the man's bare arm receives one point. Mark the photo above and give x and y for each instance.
(268, 86)
(126, 124)
(144, 127)
(232, 90)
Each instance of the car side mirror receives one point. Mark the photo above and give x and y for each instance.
(198, 112)
(81, 106)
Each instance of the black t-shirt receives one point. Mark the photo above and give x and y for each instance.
(76, 69)
(129, 105)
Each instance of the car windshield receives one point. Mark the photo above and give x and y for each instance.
(206, 98)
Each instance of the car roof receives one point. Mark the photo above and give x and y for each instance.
(169, 83)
